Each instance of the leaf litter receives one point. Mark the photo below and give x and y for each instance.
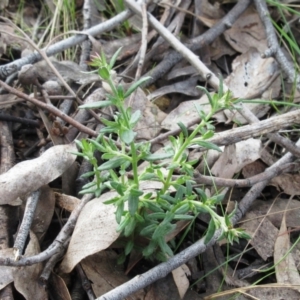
(236, 54)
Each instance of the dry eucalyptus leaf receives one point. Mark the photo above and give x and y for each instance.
(273, 292)
(186, 87)
(248, 31)
(275, 214)
(185, 112)
(28, 176)
(285, 268)
(180, 278)
(251, 74)
(289, 183)
(70, 71)
(66, 202)
(95, 230)
(57, 288)
(235, 157)
(149, 124)
(105, 274)
(263, 238)
(6, 272)
(26, 278)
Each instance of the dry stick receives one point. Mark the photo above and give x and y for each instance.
(51, 109)
(143, 48)
(177, 45)
(196, 43)
(58, 243)
(28, 215)
(266, 175)
(44, 277)
(274, 47)
(10, 68)
(235, 135)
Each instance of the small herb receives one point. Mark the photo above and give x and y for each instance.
(140, 213)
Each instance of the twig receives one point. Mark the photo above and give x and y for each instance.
(197, 43)
(235, 135)
(23, 232)
(57, 244)
(143, 48)
(6, 70)
(194, 60)
(51, 109)
(266, 175)
(274, 47)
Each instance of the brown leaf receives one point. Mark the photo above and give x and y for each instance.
(285, 268)
(95, 230)
(105, 274)
(263, 238)
(289, 183)
(28, 176)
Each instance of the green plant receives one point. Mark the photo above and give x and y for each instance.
(151, 215)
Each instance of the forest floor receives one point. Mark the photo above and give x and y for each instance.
(184, 118)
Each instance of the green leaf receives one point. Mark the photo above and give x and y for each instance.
(103, 58)
(208, 134)
(104, 73)
(150, 249)
(114, 58)
(98, 104)
(118, 187)
(135, 117)
(165, 247)
(183, 129)
(128, 247)
(162, 230)
(147, 176)
(107, 156)
(97, 145)
(133, 203)
(119, 212)
(148, 230)
(182, 209)
(207, 145)
(113, 163)
(112, 201)
(124, 223)
(135, 85)
(157, 216)
(127, 136)
(90, 184)
(130, 227)
(87, 174)
(79, 144)
(184, 217)
(153, 206)
(158, 156)
(210, 231)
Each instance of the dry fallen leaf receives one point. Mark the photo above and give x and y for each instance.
(30, 175)
(105, 274)
(248, 31)
(289, 183)
(285, 268)
(264, 238)
(180, 277)
(95, 230)
(26, 278)
(235, 157)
